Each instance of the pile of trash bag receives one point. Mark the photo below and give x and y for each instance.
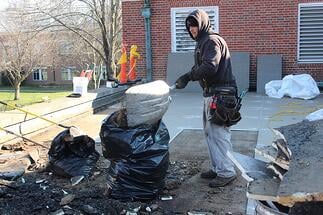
(72, 156)
(139, 158)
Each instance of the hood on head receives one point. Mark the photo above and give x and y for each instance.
(202, 20)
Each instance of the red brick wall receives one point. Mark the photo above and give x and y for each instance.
(258, 27)
(134, 32)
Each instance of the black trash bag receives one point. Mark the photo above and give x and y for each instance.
(139, 159)
(72, 157)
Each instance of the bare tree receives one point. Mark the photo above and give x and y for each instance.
(96, 22)
(24, 44)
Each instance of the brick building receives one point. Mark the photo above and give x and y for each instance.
(59, 60)
(62, 66)
(290, 28)
(55, 55)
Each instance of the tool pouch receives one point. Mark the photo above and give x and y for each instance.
(224, 107)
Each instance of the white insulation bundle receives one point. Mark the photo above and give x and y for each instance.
(146, 103)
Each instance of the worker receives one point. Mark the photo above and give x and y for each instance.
(212, 69)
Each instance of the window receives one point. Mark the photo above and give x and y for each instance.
(103, 74)
(68, 73)
(181, 41)
(40, 74)
(310, 33)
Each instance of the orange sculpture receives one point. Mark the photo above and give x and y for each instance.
(132, 75)
(123, 64)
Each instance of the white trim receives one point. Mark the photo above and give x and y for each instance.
(173, 37)
(310, 4)
(298, 30)
(69, 70)
(190, 9)
(299, 60)
(40, 74)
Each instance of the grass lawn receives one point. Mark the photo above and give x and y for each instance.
(31, 95)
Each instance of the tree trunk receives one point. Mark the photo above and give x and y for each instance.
(95, 76)
(17, 91)
(109, 67)
(108, 70)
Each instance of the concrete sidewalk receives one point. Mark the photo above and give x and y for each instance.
(259, 112)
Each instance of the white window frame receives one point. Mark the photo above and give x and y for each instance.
(70, 71)
(103, 71)
(215, 27)
(299, 59)
(40, 72)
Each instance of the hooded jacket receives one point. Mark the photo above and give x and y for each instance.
(212, 57)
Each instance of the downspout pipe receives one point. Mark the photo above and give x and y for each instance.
(146, 13)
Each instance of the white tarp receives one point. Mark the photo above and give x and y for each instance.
(295, 86)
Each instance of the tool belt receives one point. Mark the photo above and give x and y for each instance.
(214, 88)
(225, 106)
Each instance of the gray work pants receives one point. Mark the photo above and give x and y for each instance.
(218, 139)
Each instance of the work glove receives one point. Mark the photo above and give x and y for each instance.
(182, 81)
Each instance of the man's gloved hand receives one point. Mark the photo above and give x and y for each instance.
(182, 81)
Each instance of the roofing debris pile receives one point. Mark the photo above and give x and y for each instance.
(293, 175)
(135, 142)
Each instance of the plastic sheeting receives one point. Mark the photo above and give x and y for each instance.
(146, 103)
(76, 157)
(139, 159)
(295, 86)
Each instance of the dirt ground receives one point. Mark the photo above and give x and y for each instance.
(41, 192)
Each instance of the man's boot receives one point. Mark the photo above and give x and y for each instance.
(208, 175)
(221, 181)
